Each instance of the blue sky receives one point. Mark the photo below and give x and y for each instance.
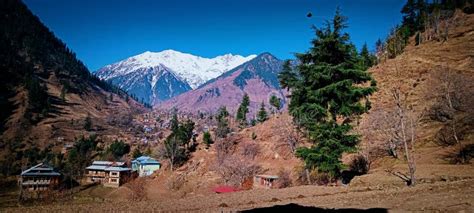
(105, 31)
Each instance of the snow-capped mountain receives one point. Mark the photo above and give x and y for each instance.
(257, 78)
(152, 84)
(195, 70)
(139, 74)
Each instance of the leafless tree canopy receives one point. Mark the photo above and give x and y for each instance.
(235, 170)
(291, 136)
(224, 147)
(396, 128)
(284, 179)
(250, 150)
(454, 97)
(407, 120)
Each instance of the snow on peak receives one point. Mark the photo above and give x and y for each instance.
(195, 70)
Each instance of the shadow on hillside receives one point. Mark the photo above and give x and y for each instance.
(462, 156)
(298, 208)
(55, 110)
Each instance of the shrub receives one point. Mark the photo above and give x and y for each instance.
(321, 178)
(463, 156)
(254, 136)
(119, 148)
(283, 180)
(359, 165)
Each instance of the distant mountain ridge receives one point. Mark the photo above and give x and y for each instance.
(176, 73)
(258, 78)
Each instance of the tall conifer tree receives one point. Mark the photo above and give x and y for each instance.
(262, 114)
(243, 110)
(328, 90)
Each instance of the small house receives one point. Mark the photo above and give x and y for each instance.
(108, 173)
(145, 166)
(67, 147)
(264, 181)
(38, 179)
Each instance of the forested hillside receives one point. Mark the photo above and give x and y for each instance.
(46, 92)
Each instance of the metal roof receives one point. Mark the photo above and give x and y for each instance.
(42, 174)
(117, 169)
(146, 160)
(107, 163)
(107, 166)
(268, 176)
(96, 167)
(40, 170)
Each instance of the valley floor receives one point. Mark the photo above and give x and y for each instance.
(444, 196)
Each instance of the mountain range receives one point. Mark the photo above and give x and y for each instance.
(171, 79)
(257, 78)
(158, 76)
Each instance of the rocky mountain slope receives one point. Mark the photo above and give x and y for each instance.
(158, 76)
(258, 78)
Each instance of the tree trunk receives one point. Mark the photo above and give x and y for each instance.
(171, 164)
(308, 177)
(412, 163)
(402, 115)
(455, 135)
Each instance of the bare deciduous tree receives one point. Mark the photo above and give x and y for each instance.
(250, 150)
(224, 147)
(235, 170)
(454, 96)
(407, 123)
(381, 131)
(284, 179)
(396, 128)
(289, 132)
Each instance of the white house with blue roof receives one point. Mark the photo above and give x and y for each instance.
(145, 166)
(111, 174)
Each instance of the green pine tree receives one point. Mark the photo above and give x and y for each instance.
(177, 146)
(174, 123)
(222, 112)
(253, 122)
(88, 123)
(422, 15)
(243, 110)
(136, 153)
(410, 16)
(367, 60)
(328, 90)
(206, 139)
(275, 102)
(222, 123)
(262, 114)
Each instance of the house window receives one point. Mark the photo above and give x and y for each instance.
(113, 180)
(114, 173)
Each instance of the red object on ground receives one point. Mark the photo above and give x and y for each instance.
(225, 189)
